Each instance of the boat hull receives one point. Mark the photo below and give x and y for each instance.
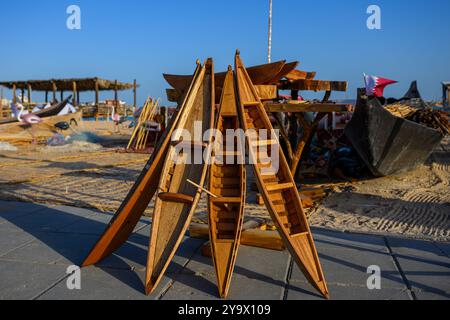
(386, 143)
(177, 198)
(227, 182)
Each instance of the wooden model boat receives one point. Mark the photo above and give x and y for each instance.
(49, 112)
(177, 198)
(386, 143)
(140, 195)
(277, 185)
(227, 184)
(259, 74)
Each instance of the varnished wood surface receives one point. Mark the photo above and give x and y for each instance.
(227, 182)
(277, 185)
(172, 214)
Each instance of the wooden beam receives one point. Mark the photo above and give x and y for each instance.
(75, 94)
(54, 90)
(314, 85)
(96, 92)
(134, 94)
(29, 96)
(307, 107)
(14, 94)
(298, 75)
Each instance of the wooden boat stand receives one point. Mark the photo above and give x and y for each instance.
(279, 191)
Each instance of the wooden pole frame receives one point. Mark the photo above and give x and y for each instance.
(54, 88)
(75, 94)
(14, 99)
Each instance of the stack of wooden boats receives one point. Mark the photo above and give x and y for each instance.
(178, 185)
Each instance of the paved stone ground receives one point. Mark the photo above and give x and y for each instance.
(38, 243)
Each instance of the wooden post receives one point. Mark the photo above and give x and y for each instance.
(61, 93)
(78, 97)
(23, 94)
(116, 97)
(135, 95)
(46, 96)
(74, 94)
(96, 98)
(14, 94)
(29, 97)
(54, 91)
(1, 102)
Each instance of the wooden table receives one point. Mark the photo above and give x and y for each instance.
(299, 109)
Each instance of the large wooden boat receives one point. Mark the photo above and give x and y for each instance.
(386, 143)
(140, 195)
(227, 186)
(259, 74)
(275, 182)
(49, 112)
(177, 198)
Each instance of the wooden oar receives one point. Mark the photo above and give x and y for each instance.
(210, 193)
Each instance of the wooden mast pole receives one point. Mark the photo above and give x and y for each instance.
(29, 96)
(54, 91)
(116, 97)
(269, 55)
(134, 95)
(74, 94)
(14, 94)
(96, 98)
(1, 102)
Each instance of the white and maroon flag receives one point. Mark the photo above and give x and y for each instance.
(375, 85)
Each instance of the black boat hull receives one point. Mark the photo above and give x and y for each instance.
(386, 143)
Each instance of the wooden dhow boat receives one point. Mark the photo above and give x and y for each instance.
(177, 197)
(261, 74)
(277, 185)
(49, 112)
(140, 195)
(227, 186)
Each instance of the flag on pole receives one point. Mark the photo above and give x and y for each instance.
(375, 85)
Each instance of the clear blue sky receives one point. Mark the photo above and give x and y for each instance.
(143, 39)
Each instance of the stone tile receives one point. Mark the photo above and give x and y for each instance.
(296, 291)
(424, 265)
(44, 220)
(343, 266)
(20, 281)
(444, 247)
(51, 248)
(349, 240)
(11, 209)
(133, 254)
(424, 295)
(105, 283)
(192, 287)
(10, 240)
(258, 288)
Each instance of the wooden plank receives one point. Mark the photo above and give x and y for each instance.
(307, 107)
(299, 75)
(267, 92)
(251, 237)
(314, 85)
